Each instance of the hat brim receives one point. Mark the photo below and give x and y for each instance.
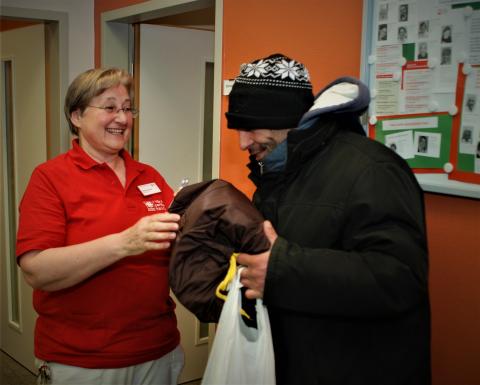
(250, 122)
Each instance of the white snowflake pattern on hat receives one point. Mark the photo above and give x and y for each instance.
(256, 69)
(273, 93)
(287, 69)
(277, 71)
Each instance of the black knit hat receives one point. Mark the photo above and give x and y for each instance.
(272, 93)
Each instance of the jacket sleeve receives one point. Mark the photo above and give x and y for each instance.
(379, 265)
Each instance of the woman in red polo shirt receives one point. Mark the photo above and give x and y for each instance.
(93, 241)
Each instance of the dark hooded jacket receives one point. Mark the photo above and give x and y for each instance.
(217, 220)
(346, 285)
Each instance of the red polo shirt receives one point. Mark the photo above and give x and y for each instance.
(123, 314)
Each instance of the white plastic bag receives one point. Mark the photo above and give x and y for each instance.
(241, 354)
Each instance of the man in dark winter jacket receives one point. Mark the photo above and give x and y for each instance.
(345, 280)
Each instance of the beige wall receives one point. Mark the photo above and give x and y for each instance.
(80, 28)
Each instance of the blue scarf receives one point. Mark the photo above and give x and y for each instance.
(277, 159)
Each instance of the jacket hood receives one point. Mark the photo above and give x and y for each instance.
(337, 107)
(345, 96)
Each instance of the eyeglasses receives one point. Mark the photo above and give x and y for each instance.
(111, 110)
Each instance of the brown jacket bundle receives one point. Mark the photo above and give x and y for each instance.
(217, 220)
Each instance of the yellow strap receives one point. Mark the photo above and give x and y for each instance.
(232, 269)
(228, 278)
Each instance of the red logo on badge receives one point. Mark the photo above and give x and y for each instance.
(155, 205)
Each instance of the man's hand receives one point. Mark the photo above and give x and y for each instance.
(253, 275)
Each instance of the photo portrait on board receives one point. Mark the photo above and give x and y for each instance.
(423, 28)
(422, 51)
(446, 34)
(382, 32)
(403, 12)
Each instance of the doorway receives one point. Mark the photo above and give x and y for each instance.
(177, 151)
(31, 132)
(172, 84)
(24, 145)
(118, 43)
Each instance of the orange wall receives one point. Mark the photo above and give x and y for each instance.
(454, 235)
(320, 34)
(6, 25)
(327, 38)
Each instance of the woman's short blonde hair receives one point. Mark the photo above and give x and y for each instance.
(90, 84)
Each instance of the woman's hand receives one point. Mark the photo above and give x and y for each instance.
(153, 232)
(62, 267)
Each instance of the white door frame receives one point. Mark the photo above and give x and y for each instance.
(56, 37)
(116, 46)
(58, 137)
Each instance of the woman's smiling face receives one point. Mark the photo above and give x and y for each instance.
(102, 133)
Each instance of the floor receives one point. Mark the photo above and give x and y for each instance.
(12, 373)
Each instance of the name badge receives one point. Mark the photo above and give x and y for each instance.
(149, 189)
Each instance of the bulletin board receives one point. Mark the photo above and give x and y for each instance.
(421, 60)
